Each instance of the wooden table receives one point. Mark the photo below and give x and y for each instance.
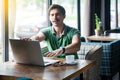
(110, 37)
(65, 72)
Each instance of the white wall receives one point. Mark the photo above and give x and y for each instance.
(85, 18)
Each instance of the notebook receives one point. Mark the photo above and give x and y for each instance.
(29, 52)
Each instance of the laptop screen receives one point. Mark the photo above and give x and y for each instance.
(28, 52)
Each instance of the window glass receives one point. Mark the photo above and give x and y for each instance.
(118, 13)
(71, 11)
(113, 14)
(1, 39)
(26, 18)
(29, 16)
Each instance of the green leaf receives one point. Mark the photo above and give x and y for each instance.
(97, 22)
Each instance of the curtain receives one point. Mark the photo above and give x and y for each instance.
(95, 7)
(105, 14)
(102, 9)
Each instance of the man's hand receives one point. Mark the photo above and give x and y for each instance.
(56, 52)
(26, 39)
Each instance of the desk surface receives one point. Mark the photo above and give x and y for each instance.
(110, 37)
(100, 38)
(64, 72)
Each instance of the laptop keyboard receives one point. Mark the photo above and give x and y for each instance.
(46, 62)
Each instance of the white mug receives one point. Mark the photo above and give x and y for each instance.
(69, 58)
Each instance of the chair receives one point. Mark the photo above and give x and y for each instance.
(107, 32)
(110, 58)
(23, 78)
(91, 52)
(82, 39)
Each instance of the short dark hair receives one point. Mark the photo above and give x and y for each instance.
(56, 6)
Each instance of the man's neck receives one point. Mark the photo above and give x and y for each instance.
(59, 29)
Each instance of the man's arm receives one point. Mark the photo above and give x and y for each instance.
(74, 46)
(40, 36)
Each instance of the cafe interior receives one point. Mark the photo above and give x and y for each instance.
(97, 20)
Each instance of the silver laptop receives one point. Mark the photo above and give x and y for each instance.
(29, 52)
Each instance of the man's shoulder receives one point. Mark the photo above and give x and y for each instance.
(71, 28)
(46, 29)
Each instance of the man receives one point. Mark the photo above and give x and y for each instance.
(61, 39)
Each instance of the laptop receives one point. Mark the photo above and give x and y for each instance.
(29, 52)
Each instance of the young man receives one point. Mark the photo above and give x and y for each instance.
(61, 39)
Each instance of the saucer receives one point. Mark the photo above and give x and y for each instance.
(71, 63)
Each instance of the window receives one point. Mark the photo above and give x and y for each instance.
(118, 13)
(115, 13)
(113, 18)
(29, 16)
(71, 11)
(26, 18)
(1, 24)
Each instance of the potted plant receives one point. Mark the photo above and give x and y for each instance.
(98, 25)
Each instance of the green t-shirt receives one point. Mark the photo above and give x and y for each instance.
(54, 42)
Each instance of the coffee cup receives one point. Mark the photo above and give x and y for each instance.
(69, 58)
